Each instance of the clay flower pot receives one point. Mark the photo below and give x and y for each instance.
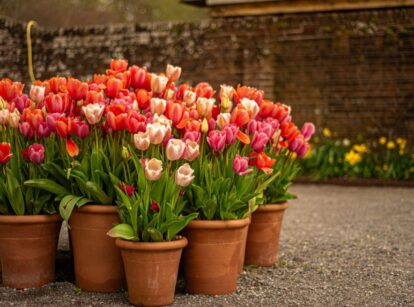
(243, 247)
(98, 262)
(212, 257)
(28, 245)
(262, 245)
(151, 270)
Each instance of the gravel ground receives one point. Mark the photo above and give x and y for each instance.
(340, 246)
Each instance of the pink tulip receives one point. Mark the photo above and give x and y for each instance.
(173, 72)
(142, 141)
(26, 130)
(240, 165)
(252, 126)
(216, 139)
(157, 132)
(308, 130)
(175, 149)
(43, 130)
(80, 128)
(51, 120)
(21, 102)
(231, 133)
(158, 105)
(211, 124)
(259, 141)
(223, 119)
(302, 151)
(153, 169)
(266, 128)
(36, 153)
(93, 112)
(192, 136)
(158, 83)
(184, 175)
(37, 93)
(192, 150)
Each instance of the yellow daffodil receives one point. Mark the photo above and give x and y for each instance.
(361, 148)
(326, 132)
(382, 140)
(352, 157)
(402, 143)
(385, 167)
(390, 145)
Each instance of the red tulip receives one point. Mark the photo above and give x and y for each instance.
(127, 189)
(64, 127)
(174, 112)
(36, 153)
(119, 65)
(155, 207)
(262, 162)
(77, 89)
(239, 116)
(72, 148)
(113, 87)
(33, 116)
(138, 76)
(204, 89)
(57, 103)
(5, 152)
(143, 98)
(117, 117)
(10, 90)
(57, 84)
(280, 111)
(136, 122)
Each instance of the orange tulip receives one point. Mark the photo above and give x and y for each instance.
(239, 116)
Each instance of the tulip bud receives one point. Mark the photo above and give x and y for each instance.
(125, 153)
(204, 126)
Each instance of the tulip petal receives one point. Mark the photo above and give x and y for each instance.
(72, 148)
(182, 123)
(242, 137)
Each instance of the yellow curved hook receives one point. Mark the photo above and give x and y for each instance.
(29, 26)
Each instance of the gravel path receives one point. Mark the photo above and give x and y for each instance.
(340, 246)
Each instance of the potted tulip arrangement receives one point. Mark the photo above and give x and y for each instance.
(151, 206)
(29, 224)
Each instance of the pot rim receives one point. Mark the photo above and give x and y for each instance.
(152, 246)
(219, 224)
(30, 219)
(273, 207)
(95, 208)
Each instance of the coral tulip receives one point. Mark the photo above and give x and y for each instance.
(262, 162)
(113, 87)
(251, 106)
(57, 84)
(72, 148)
(33, 116)
(93, 97)
(117, 117)
(64, 127)
(5, 152)
(119, 65)
(57, 103)
(184, 175)
(136, 122)
(174, 112)
(36, 153)
(204, 89)
(153, 169)
(138, 75)
(143, 98)
(249, 93)
(77, 89)
(10, 90)
(239, 116)
(289, 131)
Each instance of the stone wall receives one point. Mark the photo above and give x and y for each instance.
(350, 71)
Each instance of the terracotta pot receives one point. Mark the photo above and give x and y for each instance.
(243, 247)
(28, 245)
(98, 262)
(262, 245)
(212, 257)
(151, 270)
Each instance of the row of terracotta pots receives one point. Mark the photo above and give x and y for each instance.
(211, 261)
